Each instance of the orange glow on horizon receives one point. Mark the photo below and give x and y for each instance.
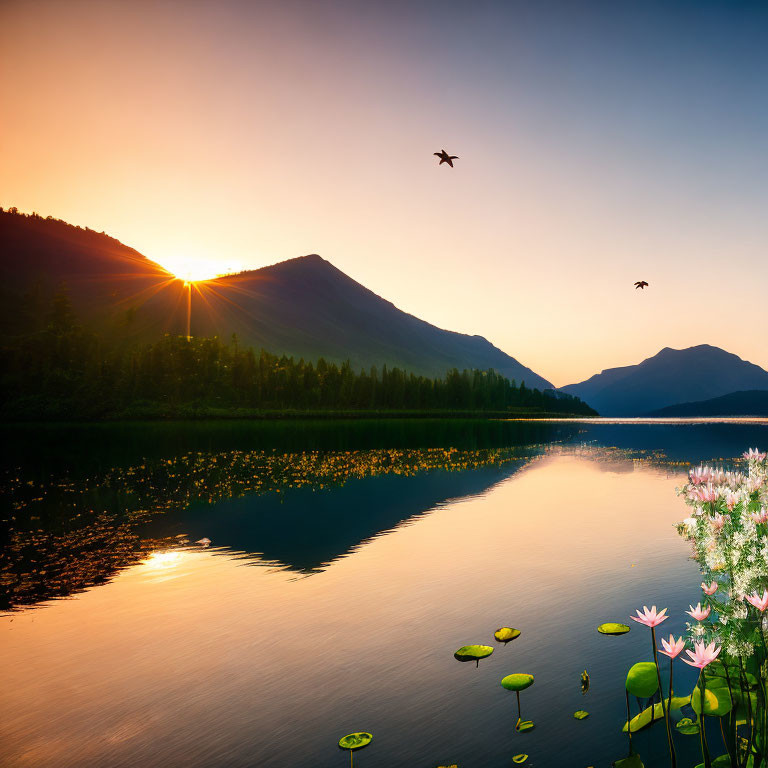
(148, 135)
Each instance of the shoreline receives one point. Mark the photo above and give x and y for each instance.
(249, 414)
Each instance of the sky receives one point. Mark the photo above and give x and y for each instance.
(599, 143)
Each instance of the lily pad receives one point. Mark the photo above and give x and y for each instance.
(654, 713)
(633, 761)
(580, 714)
(642, 680)
(473, 652)
(517, 682)
(687, 726)
(505, 634)
(717, 701)
(722, 761)
(584, 681)
(355, 740)
(613, 628)
(519, 758)
(524, 725)
(716, 671)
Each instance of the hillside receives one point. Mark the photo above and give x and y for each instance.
(753, 402)
(672, 376)
(304, 307)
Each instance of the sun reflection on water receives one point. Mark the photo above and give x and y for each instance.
(162, 561)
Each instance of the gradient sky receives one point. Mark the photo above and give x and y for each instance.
(600, 143)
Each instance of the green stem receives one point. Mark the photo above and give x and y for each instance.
(669, 705)
(744, 685)
(725, 741)
(672, 756)
(702, 736)
(629, 721)
(731, 720)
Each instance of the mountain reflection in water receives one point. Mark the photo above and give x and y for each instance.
(66, 535)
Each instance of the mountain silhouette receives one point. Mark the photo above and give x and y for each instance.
(753, 402)
(304, 307)
(672, 376)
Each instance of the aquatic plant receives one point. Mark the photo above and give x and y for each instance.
(727, 529)
(505, 634)
(354, 741)
(519, 682)
(652, 619)
(613, 628)
(473, 653)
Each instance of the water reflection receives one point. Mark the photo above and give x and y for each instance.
(185, 656)
(67, 534)
(225, 665)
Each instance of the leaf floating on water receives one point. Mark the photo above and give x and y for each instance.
(505, 634)
(655, 713)
(687, 726)
(473, 652)
(642, 680)
(633, 761)
(524, 725)
(613, 628)
(519, 758)
(355, 740)
(580, 714)
(584, 682)
(517, 682)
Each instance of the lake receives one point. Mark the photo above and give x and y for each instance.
(348, 561)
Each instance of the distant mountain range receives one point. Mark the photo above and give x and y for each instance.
(753, 402)
(671, 377)
(303, 307)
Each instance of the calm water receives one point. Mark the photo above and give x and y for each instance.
(348, 562)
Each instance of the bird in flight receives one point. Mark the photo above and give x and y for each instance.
(640, 284)
(445, 157)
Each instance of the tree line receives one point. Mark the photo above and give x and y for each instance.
(66, 371)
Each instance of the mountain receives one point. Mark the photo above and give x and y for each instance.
(304, 307)
(753, 402)
(669, 377)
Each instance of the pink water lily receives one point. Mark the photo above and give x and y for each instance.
(701, 655)
(761, 603)
(673, 647)
(709, 589)
(754, 455)
(700, 475)
(650, 617)
(704, 493)
(698, 612)
(731, 500)
(759, 517)
(718, 521)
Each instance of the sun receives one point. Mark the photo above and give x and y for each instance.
(196, 273)
(193, 268)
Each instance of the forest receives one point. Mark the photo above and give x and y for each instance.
(67, 372)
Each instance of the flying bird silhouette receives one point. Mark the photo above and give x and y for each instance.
(445, 157)
(640, 284)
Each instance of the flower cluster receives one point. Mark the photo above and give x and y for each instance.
(728, 532)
